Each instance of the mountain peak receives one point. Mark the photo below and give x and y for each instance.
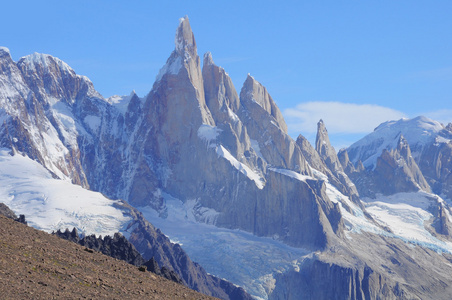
(449, 127)
(418, 132)
(322, 133)
(185, 40)
(45, 61)
(322, 141)
(254, 91)
(208, 60)
(4, 51)
(250, 78)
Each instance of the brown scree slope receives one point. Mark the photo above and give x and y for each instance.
(36, 265)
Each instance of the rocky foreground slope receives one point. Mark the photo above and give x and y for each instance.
(37, 265)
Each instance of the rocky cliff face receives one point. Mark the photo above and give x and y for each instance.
(396, 171)
(370, 268)
(26, 127)
(436, 165)
(7, 212)
(324, 159)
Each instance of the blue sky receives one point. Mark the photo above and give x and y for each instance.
(352, 63)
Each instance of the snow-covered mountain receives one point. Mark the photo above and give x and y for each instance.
(216, 171)
(420, 133)
(415, 153)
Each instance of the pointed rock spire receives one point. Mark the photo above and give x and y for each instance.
(254, 91)
(331, 160)
(265, 124)
(208, 60)
(345, 161)
(220, 93)
(324, 148)
(312, 157)
(185, 39)
(403, 147)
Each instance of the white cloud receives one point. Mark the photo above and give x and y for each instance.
(339, 118)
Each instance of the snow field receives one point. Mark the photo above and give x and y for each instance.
(50, 204)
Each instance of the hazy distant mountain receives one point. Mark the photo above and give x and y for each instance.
(422, 148)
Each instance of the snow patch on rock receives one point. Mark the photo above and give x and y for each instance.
(291, 174)
(208, 133)
(93, 122)
(173, 67)
(244, 169)
(121, 103)
(4, 49)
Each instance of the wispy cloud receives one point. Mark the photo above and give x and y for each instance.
(339, 117)
(443, 115)
(436, 74)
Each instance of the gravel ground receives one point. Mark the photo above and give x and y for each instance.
(36, 265)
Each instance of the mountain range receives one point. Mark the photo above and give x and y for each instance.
(216, 171)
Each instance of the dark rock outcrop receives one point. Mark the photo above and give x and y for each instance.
(7, 212)
(120, 248)
(117, 246)
(69, 235)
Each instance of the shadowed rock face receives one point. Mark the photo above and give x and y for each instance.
(7, 212)
(436, 166)
(30, 87)
(368, 267)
